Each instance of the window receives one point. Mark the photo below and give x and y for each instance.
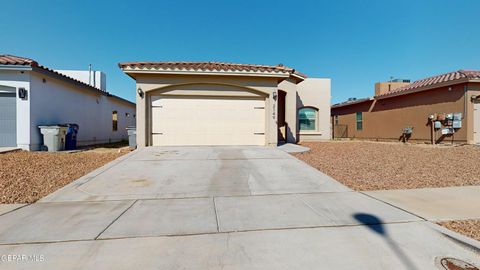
(307, 119)
(359, 118)
(336, 120)
(114, 121)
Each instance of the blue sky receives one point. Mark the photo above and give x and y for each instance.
(355, 43)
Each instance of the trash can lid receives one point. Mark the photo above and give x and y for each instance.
(52, 126)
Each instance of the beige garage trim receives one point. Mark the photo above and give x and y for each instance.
(190, 120)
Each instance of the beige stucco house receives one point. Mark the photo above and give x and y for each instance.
(212, 103)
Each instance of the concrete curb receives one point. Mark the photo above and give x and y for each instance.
(467, 241)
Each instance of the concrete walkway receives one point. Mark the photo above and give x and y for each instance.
(5, 208)
(436, 204)
(8, 149)
(219, 208)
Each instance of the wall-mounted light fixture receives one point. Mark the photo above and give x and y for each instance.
(140, 92)
(275, 96)
(22, 93)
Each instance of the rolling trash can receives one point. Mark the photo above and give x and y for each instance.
(132, 137)
(53, 137)
(71, 137)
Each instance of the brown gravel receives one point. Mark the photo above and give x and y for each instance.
(376, 165)
(25, 177)
(470, 228)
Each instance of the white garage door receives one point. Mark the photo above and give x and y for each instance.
(8, 119)
(207, 121)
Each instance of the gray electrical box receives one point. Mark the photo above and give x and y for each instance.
(457, 124)
(407, 130)
(447, 131)
(457, 116)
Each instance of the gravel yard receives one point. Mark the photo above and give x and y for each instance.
(470, 228)
(376, 165)
(25, 177)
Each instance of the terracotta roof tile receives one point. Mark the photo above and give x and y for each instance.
(7, 59)
(209, 66)
(431, 81)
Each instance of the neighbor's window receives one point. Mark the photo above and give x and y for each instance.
(308, 119)
(359, 121)
(114, 121)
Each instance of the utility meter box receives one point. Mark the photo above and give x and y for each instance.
(54, 137)
(457, 124)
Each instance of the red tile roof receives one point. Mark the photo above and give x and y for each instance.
(7, 59)
(427, 83)
(209, 66)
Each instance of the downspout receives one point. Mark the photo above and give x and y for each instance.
(465, 90)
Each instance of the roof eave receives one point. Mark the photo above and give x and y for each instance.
(425, 88)
(16, 67)
(131, 72)
(298, 77)
(352, 103)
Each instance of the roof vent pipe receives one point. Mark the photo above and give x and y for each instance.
(90, 74)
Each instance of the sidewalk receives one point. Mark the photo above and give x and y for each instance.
(8, 149)
(5, 208)
(435, 204)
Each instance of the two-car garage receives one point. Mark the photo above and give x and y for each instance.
(209, 103)
(196, 120)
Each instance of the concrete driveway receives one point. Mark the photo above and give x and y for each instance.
(219, 208)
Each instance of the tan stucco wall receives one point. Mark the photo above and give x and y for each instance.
(289, 86)
(204, 85)
(385, 87)
(384, 119)
(315, 92)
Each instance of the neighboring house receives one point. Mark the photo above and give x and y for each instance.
(440, 108)
(213, 103)
(33, 95)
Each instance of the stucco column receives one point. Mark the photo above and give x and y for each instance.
(271, 120)
(289, 86)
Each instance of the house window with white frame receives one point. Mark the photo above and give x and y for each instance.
(308, 119)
